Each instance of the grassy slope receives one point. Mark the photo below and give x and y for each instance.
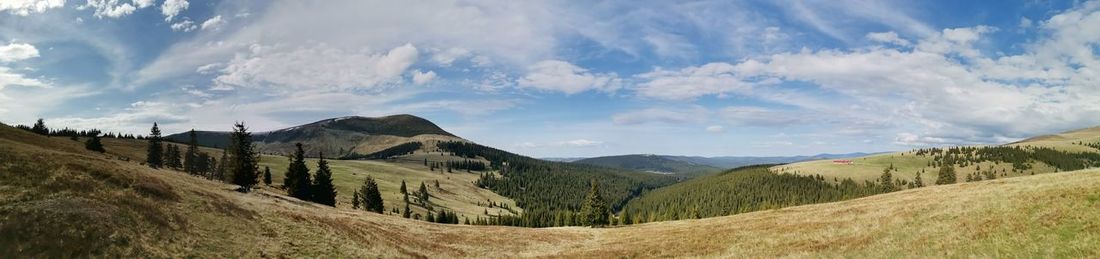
(871, 167)
(458, 194)
(58, 200)
(457, 191)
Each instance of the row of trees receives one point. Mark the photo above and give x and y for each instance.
(1020, 157)
(238, 165)
(399, 150)
(40, 128)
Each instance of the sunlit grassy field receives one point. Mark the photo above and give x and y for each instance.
(870, 168)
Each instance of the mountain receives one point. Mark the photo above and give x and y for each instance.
(652, 163)
(562, 159)
(59, 200)
(739, 161)
(337, 136)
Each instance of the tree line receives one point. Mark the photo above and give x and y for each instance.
(398, 150)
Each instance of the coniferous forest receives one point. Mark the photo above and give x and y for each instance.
(550, 192)
(740, 190)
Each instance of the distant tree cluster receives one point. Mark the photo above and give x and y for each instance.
(40, 128)
(468, 165)
(399, 150)
(299, 184)
(1019, 157)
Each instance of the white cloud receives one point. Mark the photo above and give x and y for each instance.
(172, 8)
(759, 117)
(561, 76)
(691, 82)
(581, 143)
(716, 129)
(184, 26)
(446, 57)
(213, 23)
(695, 114)
(888, 37)
(137, 118)
(17, 51)
(115, 8)
(575, 143)
(209, 68)
(10, 78)
(421, 78)
(315, 68)
(27, 7)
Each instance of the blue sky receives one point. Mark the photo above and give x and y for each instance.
(567, 78)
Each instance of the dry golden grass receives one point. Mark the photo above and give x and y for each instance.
(61, 201)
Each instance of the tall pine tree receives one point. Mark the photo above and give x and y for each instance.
(371, 196)
(323, 191)
(191, 162)
(297, 182)
(155, 154)
(246, 160)
(594, 211)
(40, 128)
(267, 176)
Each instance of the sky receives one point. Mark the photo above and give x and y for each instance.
(567, 78)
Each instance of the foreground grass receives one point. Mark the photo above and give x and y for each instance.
(57, 200)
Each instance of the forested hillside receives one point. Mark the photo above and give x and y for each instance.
(740, 190)
(652, 163)
(548, 191)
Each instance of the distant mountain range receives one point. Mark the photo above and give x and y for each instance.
(653, 164)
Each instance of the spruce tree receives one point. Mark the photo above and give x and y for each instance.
(245, 158)
(370, 195)
(191, 162)
(323, 191)
(267, 176)
(887, 180)
(407, 212)
(94, 144)
(422, 194)
(40, 128)
(155, 154)
(946, 175)
(404, 191)
(917, 181)
(594, 211)
(297, 182)
(355, 200)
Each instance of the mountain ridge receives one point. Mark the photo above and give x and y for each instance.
(336, 137)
